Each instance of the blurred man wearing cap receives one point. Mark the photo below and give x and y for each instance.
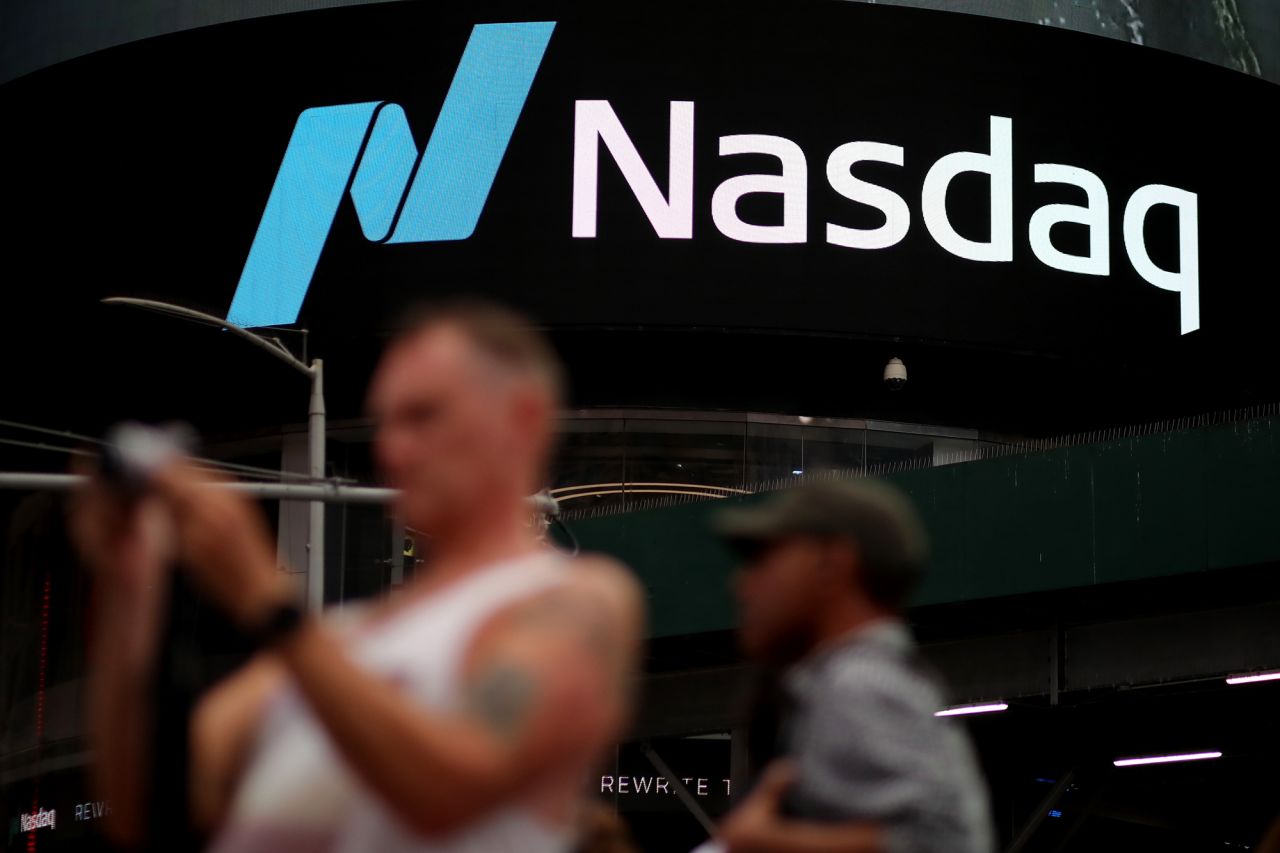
(866, 767)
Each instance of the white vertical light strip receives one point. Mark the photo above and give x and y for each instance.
(959, 710)
(1166, 759)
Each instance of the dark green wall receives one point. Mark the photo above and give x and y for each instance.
(1133, 508)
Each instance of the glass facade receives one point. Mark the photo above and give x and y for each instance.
(615, 460)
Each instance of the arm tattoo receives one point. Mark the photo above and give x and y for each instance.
(500, 697)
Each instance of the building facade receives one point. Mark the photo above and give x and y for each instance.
(731, 219)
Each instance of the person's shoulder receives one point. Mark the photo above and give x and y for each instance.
(883, 677)
(603, 586)
(603, 575)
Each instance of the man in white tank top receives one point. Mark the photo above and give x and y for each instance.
(465, 714)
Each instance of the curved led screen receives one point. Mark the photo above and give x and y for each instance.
(821, 167)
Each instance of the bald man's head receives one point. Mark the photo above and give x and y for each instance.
(465, 402)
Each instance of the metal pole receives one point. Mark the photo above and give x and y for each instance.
(315, 424)
(1041, 812)
(315, 455)
(681, 792)
(323, 492)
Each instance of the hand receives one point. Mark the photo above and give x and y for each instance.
(756, 818)
(127, 546)
(224, 544)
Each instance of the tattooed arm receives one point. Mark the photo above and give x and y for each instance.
(544, 690)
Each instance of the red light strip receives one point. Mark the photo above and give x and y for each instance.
(40, 693)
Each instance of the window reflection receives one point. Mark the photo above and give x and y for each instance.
(670, 455)
(590, 465)
(621, 460)
(776, 452)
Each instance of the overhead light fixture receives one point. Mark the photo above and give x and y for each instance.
(985, 708)
(1166, 759)
(895, 374)
(1254, 677)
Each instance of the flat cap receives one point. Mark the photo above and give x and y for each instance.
(875, 515)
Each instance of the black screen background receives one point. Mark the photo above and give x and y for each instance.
(142, 170)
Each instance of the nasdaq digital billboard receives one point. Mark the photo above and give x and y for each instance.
(817, 167)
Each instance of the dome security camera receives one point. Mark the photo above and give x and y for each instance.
(895, 374)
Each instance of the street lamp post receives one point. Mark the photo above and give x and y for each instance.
(315, 425)
(315, 509)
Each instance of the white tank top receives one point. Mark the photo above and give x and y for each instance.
(297, 794)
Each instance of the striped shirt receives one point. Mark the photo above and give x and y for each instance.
(867, 746)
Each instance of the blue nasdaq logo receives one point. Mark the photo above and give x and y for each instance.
(400, 196)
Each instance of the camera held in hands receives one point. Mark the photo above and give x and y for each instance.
(133, 452)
